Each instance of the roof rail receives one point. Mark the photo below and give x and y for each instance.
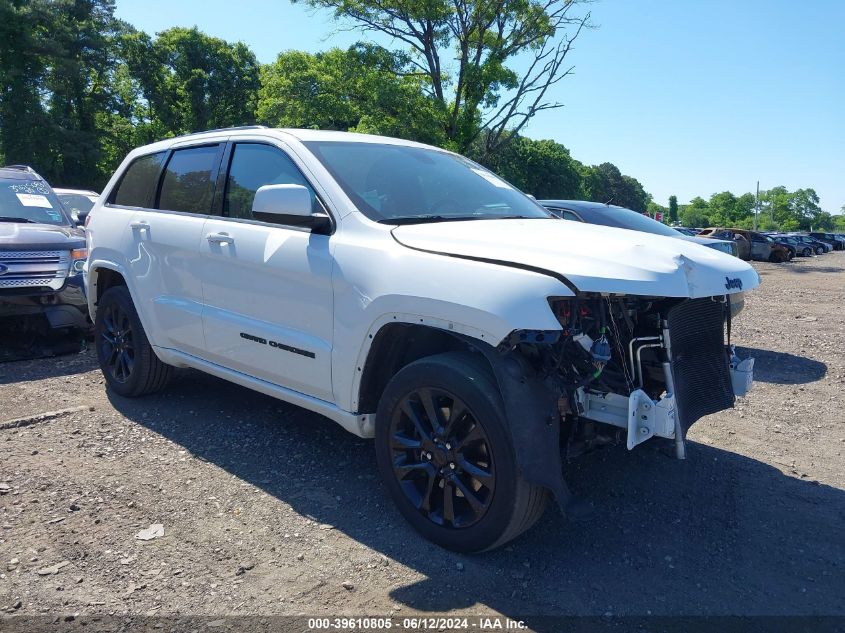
(227, 129)
(24, 168)
(19, 168)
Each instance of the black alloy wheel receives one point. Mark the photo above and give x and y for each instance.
(117, 345)
(442, 458)
(127, 360)
(445, 454)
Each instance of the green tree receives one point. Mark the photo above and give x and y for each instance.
(806, 209)
(478, 91)
(56, 59)
(695, 214)
(363, 89)
(605, 183)
(673, 209)
(192, 81)
(544, 169)
(23, 67)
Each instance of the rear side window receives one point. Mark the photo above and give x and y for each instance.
(139, 181)
(254, 165)
(567, 215)
(188, 183)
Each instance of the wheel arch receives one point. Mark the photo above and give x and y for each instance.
(102, 276)
(395, 344)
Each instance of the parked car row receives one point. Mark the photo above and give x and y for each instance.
(772, 246)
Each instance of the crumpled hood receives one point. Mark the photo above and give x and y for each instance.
(592, 258)
(18, 236)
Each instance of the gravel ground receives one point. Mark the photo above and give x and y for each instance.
(269, 509)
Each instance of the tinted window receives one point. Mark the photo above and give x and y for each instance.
(29, 201)
(253, 166)
(565, 215)
(397, 183)
(188, 180)
(622, 218)
(139, 181)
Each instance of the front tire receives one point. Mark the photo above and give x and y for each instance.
(444, 452)
(127, 360)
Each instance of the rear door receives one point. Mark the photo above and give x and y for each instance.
(164, 247)
(267, 287)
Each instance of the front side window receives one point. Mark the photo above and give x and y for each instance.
(188, 183)
(138, 184)
(254, 165)
(402, 184)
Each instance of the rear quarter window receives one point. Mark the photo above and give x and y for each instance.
(139, 181)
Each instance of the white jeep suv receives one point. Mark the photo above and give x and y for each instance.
(412, 296)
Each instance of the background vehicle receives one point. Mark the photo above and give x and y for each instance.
(836, 243)
(77, 202)
(751, 244)
(623, 218)
(792, 251)
(800, 249)
(780, 252)
(41, 257)
(685, 231)
(415, 297)
(819, 248)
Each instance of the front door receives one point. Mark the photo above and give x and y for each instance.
(267, 287)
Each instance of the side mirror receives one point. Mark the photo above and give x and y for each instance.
(287, 204)
(81, 217)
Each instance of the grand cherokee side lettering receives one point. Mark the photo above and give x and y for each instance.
(277, 345)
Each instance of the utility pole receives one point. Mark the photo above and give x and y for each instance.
(756, 205)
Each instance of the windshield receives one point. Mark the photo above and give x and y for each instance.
(396, 184)
(76, 203)
(29, 201)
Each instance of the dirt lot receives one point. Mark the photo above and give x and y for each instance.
(268, 509)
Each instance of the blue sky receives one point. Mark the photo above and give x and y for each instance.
(689, 97)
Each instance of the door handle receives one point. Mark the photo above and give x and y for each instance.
(140, 225)
(220, 238)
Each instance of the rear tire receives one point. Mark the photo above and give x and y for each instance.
(444, 452)
(127, 360)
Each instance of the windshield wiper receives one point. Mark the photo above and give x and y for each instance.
(422, 219)
(3, 218)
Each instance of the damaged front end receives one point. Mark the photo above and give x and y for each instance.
(622, 368)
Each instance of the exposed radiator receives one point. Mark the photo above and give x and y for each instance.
(699, 361)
